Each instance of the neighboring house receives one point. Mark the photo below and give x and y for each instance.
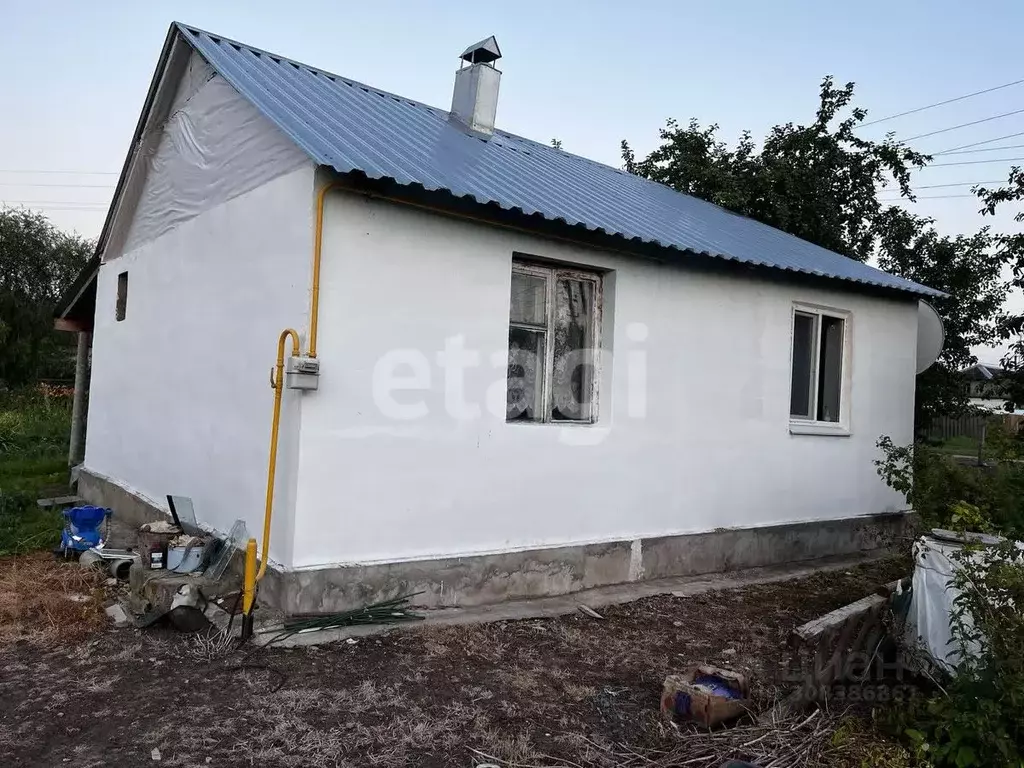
(988, 388)
(513, 346)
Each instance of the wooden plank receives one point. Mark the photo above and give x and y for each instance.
(59, 501)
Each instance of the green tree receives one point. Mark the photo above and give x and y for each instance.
(37, 264)
(1010, 249)
(821, 181)
(818, 181)
(969, 269)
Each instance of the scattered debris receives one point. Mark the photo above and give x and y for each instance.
(185, 553)
(707, 695)
(117, 561)
(392, 611)
(589, 611)
(160, 526)
(117, 615)
(187, 612)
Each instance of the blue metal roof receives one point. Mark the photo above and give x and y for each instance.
(352, 127)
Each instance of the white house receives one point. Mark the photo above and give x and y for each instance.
(513, 347)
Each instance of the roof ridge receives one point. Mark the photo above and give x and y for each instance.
(189, 28)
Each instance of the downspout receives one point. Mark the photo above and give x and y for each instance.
(251, 575)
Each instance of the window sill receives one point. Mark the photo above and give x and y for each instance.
(818, 428)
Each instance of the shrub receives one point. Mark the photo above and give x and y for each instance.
(948, 494)
(977, 718)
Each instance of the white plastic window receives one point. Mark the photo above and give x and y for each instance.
(820, 340)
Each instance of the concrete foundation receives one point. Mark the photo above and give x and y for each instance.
(488, 579)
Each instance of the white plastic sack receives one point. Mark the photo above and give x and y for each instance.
(928, 623)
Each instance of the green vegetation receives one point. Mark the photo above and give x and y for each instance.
(34, 428)
(976, 718)
(38, 263)
(961, 445)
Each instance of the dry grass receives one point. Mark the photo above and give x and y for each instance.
(45, 601)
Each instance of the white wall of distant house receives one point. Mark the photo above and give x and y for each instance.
(372, 488)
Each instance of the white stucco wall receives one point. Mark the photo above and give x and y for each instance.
(180, 400)
(712, 450)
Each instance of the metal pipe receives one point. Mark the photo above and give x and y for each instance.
(318, 241)
(277, 382)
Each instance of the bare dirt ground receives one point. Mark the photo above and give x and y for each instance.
(544, 692)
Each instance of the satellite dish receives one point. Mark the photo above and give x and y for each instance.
(930, 336)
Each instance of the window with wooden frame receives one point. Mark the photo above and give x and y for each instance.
(554, 322)
(820, 341)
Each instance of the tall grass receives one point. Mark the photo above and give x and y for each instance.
(34, 426)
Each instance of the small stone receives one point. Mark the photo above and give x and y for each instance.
(60, 714)
(351, 640)
(117, 614)
(209, 760)
(677, 623)
(111, 582)
(155, 754)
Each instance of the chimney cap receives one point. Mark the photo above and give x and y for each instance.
(484, 52)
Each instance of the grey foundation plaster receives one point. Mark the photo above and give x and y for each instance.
(480, 580)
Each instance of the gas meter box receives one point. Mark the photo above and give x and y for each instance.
(302, 373)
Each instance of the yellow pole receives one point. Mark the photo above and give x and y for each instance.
(249, 591)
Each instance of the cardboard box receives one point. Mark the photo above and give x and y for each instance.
(707, 695)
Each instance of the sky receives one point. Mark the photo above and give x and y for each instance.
(589, 73)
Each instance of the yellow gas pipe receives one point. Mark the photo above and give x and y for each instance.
(252, 576)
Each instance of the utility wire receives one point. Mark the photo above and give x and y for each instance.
(939, 186)
(978, 143)
(984, 149)
(927, 197)
(37, 184)
(70, 173)
(939, 104)
(58, 202)
(963, 125)
(974, 162)
(61, 208)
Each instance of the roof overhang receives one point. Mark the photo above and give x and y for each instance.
(76, 309)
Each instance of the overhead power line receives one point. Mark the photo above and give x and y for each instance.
(939, 104)
(934, 197)
(977, 143)
(67, 173)
(940, 186)
(88, 205)
(983, 149)
(38, 184)
(974, 162)
(963, 125)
